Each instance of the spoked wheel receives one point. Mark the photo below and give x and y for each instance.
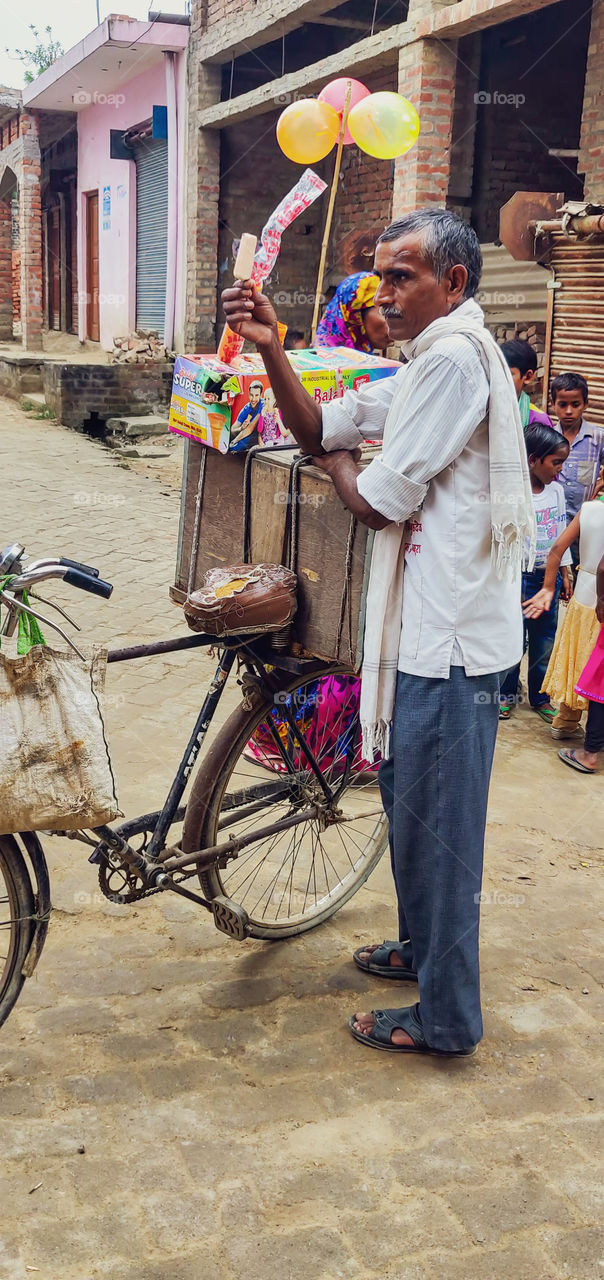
(16, 923)
(291, 879)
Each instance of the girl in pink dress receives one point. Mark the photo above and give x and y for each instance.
(590, 685)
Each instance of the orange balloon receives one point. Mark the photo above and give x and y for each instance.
(307, 130)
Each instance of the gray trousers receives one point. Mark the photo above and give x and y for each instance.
(434, 789)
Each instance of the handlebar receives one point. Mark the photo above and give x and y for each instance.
(96, 586)
(42, 570)
(83, 568)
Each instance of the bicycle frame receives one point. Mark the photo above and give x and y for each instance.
(256, 654)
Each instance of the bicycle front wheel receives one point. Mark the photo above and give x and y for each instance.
(291, 879)
(16, 922)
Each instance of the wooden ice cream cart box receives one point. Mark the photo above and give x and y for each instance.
(239, 506)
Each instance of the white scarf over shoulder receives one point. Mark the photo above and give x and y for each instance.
(512, 520)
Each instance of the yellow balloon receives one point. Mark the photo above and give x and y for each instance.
(307, 130)
(384, 125)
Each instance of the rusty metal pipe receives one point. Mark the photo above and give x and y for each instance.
(588, 225)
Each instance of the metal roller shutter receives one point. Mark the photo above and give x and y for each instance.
(577, 334)
(151, 156)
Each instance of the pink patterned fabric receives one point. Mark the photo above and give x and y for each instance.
(590, 684)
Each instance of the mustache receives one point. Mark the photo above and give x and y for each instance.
(391, 313)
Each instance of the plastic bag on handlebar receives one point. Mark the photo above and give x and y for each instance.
(55, 768)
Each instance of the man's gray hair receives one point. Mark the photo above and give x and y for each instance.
(447, 242)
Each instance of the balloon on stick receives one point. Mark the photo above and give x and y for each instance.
(384, 125)
(335, 93)
(307, 130)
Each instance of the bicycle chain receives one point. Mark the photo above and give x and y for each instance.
(132, 895)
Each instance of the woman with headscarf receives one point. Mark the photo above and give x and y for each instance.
(352, 319)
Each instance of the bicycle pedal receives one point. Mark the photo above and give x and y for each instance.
(230, 918)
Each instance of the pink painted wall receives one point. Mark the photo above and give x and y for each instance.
(96, 171)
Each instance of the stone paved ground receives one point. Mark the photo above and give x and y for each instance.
(175, 1106)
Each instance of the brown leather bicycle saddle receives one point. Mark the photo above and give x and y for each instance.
(243, 598)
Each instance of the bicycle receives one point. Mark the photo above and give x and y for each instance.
(324, 829)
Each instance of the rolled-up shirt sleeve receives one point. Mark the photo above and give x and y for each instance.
(358, 415)
(447, 401)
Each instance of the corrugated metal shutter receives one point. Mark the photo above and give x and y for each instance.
(151, 155)
(511, 290)
(577, 340)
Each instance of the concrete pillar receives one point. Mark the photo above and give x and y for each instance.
(426, 76)
(6, 273)
(203, 190)
(591, 153)
(30, 234)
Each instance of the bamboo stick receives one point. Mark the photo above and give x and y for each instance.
(330, 209)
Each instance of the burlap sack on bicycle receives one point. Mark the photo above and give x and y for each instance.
(55, 770)
(243, 598)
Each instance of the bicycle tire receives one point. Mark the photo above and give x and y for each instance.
(16, 923)
(205, 805)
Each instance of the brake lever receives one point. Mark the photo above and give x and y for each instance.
(33, 595)
(12, 603)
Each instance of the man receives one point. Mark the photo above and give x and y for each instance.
(246, 423)
(433, 654)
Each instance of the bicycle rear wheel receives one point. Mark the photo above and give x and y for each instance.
(293, 879)
(16, 923)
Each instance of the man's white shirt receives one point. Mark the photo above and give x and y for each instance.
(434, 474)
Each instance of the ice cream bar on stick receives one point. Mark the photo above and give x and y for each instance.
(246, 253)
(301, 196)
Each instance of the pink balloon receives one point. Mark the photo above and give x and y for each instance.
(335, 94)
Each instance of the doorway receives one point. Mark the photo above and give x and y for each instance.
(54, 268)
(92, 266)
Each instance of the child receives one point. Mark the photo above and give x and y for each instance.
(591, 686)
(579, 632)
(270, 426)
(294, 340)
(547, 451)
(581, 471)
(522, 360)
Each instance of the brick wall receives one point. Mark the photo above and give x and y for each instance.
(427, 78)
(539, 59)
(255, 177)
(19, 376)
(30, 225)
(6, 281)
(203, 173)
(77, 393)
(591, 158)
(365, 184)
(16, 283)
(459, 196)
(533, 333)
(221, 10)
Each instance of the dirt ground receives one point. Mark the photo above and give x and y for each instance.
(177, 1106)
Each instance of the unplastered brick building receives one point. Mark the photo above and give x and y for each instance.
(510, 98)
